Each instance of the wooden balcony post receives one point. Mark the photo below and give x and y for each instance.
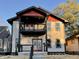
(46, 31)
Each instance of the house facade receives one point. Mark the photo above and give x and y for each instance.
(4, 39)
(38, 27)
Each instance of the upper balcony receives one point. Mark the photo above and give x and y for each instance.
(33, 30)
(32, 19)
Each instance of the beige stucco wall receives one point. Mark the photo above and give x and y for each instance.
(53, 34)
(26, 40)
(57, 34)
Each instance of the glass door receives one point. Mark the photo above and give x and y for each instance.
(37, 43)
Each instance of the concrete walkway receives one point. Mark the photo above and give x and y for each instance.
(57, 57)
(14, 57)
(42, 57)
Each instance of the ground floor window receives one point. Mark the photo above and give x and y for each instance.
(58, 43)
(48, 42)
(1, 43)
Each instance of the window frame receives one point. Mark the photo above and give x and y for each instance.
(58, 43)
(57, 26)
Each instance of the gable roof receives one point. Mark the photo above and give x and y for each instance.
(41, 10)
(32, 8)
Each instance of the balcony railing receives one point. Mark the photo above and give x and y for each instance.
(33, 30)
(25, 48)
(33, 26)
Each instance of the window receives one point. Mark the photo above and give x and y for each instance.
(58, 44)
(41, 26)
(49, 43)
(58, 26)
(0, 43)
(49, 26)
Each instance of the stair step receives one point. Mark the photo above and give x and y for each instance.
(35, 53)
(40, 53)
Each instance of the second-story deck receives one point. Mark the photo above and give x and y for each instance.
(33, 29)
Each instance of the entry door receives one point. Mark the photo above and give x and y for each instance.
(37, 43)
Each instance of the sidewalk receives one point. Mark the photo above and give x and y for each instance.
(42, 57)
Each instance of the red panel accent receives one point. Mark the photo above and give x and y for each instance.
(52, 19)
(32, 13)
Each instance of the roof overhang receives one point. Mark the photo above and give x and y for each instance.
(40, 10)
(10, 21)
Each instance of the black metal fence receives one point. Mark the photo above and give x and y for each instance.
(31, 53)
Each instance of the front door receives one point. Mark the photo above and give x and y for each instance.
(37, 43)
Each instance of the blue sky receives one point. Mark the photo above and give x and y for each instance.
(8, 8)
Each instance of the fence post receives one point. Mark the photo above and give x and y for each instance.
(31, 52)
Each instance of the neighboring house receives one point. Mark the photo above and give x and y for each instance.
(4, 39)
(72, 44)
(38, 27)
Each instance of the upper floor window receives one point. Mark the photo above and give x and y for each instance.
(48, 26)
(57, 26)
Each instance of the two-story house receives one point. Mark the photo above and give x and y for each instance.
(38, 27)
